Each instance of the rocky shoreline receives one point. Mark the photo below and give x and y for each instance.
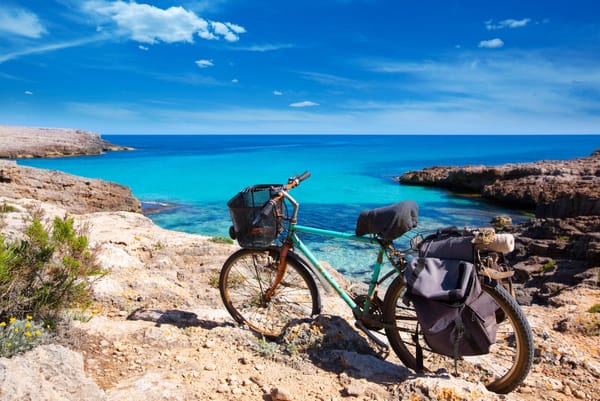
(565, 196)
(553, 189)
(157, 325)
(31, 142)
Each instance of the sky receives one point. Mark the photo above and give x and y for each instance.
(302, 67)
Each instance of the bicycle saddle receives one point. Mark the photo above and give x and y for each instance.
(388, 222)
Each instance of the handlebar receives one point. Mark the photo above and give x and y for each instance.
(296, 180)
(270, 204)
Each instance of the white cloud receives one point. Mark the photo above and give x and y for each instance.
(20, 22)
(234, 81)
(491, 44)
(269, 47)
(277, 93)
(149, 24)
(144, 48)
(507, 23)
(28, 92)
(48, 48)
(305, 103)
(204, 63)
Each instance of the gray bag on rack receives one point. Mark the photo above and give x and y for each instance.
(456, 317)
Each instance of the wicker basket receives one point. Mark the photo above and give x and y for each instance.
(251, 230)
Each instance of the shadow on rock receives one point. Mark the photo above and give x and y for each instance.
(178, 318)
(334, 345)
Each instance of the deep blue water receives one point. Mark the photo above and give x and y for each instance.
(198, 174)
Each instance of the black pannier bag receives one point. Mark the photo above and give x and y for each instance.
(456, 317)
(251, 228)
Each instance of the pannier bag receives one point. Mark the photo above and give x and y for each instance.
(456, 317)
(251, 228)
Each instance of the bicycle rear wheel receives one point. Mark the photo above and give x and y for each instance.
(501, 370)
(248, 274)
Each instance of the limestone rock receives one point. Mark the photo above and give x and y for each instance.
(75, 194)
(30, 142)
(552, 188)
(49, 372)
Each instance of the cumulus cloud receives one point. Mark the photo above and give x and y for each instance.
(28, 92)
(149, 24)
(144, 48)
(204, 63)
(491, 44)
(20, 22)
(277, 93)
(305, 103)
(235, 81)
(507, 23)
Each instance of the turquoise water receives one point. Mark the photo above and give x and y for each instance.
(198, 174)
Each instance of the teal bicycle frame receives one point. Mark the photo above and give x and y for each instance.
(293, 241)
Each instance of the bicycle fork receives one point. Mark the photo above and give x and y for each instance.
(281, 270)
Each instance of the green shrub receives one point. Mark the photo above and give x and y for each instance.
(595, 309)
(46, 272)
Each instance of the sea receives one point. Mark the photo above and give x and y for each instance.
(185, 181)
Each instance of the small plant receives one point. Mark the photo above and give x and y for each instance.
(213, 281)
(6, 208)
(221, 240)
(19, 336)
(595, 309)
(548, 265)
(563, 238)
(265, 348)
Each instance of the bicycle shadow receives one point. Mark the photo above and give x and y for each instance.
(175, 317)
(329, 342)
(332, 344)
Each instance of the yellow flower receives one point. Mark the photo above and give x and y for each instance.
(2, 324)
(27, 334)
(29, 317)
(28, 325)
(16, 329)
(38, 333)
(12, 320)
(9, 345)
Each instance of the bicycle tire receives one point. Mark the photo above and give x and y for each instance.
(502, 370)
(247, 275)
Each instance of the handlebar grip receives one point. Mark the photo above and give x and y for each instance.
(264, 213)
(304, 176)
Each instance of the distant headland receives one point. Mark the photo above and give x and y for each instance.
(31, 142)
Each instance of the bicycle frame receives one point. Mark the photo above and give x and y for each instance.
(294, 228)
(294, 241)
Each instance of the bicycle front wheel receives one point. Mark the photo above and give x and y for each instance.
(501, 370)
(246, 277)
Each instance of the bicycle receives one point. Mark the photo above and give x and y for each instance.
(270, 283)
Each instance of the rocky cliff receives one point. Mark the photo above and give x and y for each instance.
(29, 142)
(75, 194)
(555, 189)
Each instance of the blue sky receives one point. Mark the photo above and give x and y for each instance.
(304, 67)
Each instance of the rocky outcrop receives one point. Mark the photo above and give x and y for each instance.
(29, 142)
(552, 188)
(76, 194)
